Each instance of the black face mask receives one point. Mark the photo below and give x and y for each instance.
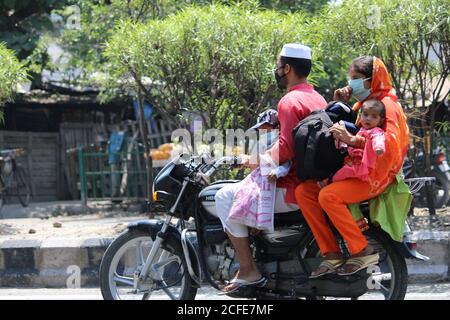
(281, 83)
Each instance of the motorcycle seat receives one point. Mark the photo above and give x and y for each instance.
(296, 217)
(288, 218)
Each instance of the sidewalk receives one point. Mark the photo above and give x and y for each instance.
(45, 243)
(62, 246)
(68, 208)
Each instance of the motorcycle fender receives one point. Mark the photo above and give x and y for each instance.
(409, 253)
(152, 227)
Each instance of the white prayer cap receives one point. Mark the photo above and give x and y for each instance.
(296, 50)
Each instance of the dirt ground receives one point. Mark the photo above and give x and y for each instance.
(111, 224)
(423, 220)
(79, 226)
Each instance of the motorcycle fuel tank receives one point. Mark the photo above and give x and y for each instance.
(207, 195)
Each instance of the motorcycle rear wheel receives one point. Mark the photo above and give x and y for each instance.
(392, 265)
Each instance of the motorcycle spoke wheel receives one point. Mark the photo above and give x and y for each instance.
(167, 279)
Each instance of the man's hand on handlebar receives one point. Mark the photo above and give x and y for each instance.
(248, 162)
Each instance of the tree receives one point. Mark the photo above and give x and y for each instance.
(307, 6)
(84, 46)
(411, 36)
(216, 60)
(11, 73)
(22, 24)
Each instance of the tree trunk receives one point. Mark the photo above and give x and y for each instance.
(148, 158)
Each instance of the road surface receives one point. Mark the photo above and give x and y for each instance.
(415, 292)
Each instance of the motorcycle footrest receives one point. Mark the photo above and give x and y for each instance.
(298, 278)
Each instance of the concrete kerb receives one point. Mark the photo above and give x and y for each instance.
(60, 263)
(54, 263)
(435, 245)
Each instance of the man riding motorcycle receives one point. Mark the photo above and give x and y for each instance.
(291, 73)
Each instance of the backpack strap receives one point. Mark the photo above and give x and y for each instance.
(309, 136)
(310, 154)
(301, 135)
(315, 129)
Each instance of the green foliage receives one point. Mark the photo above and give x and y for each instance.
(22, 22)
(412, 37)
(215, 60)
(98, 18)
(11, 73)
(216, 57)
(309, 6)
(403, 33)
(83, 46)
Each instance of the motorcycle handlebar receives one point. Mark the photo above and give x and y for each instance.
(212, 166)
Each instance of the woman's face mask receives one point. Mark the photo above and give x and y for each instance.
(358, 90)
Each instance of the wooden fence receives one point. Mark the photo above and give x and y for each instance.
(41, 161)
(159, 132)
(74, 136)
(54, 172)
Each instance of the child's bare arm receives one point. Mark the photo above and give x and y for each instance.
(379, 142)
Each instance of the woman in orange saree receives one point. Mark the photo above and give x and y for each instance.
(370, 80)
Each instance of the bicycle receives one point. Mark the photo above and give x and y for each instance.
(13, 179)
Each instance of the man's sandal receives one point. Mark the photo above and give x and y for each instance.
(360, 262)
(331, 266)
(239, 283)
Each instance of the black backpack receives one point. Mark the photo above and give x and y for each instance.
(315, 152)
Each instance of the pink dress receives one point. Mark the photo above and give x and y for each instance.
(361, 161)
(254, 202)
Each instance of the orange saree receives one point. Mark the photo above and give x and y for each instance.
(396, 130)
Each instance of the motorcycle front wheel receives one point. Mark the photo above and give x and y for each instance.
(124, 259)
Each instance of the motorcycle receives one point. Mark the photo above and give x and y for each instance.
(414, 167)
(189, 249)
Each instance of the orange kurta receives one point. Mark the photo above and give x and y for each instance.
(334, 198)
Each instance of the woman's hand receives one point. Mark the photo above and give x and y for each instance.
(340, 132)
(342, 94)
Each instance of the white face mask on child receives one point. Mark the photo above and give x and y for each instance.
(267, 139)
